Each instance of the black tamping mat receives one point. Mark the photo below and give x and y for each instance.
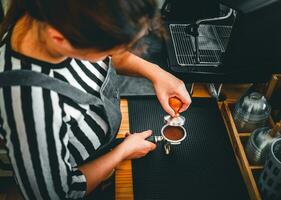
(202, 167)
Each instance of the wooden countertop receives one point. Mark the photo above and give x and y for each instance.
(124, 180)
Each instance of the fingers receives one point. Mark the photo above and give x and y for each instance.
(186, 100)
(146, 134)
(151, 146)
(183, 96)
(143, 135)
(167, 107)
(185, 106)
(136, 146)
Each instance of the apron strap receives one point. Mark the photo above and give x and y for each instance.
(32, 78)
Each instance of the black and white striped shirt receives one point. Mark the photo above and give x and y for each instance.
(48, 135)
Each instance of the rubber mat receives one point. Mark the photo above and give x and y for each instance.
(202, 167)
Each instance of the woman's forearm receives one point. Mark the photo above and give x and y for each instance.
(134, 146)
(97, 170)
(130, 64)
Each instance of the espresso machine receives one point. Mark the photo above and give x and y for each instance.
(222, 41)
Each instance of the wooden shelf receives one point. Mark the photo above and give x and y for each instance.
(250, 172)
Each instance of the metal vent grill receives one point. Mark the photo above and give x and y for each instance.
(212, 42)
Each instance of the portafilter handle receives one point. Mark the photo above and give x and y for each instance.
(153, 139)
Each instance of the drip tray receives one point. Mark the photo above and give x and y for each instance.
(212, 43)
(202, 167)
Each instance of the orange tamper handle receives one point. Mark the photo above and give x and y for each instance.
(175, 104)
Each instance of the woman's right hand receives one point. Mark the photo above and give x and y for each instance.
(135, 145)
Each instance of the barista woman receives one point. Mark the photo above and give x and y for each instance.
(48, 135)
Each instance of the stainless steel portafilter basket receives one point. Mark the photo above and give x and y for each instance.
(172, 122)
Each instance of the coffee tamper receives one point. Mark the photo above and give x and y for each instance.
(173, 131)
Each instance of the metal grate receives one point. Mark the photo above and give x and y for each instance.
(212, 42)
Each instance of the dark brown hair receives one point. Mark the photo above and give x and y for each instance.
(100, 24)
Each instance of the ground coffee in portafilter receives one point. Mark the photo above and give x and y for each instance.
(173, 133)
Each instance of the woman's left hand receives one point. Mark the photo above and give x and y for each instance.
(166, 86)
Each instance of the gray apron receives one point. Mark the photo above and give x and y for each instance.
(109, 101)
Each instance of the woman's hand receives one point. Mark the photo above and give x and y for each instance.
(166, 86)
(135, 145)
